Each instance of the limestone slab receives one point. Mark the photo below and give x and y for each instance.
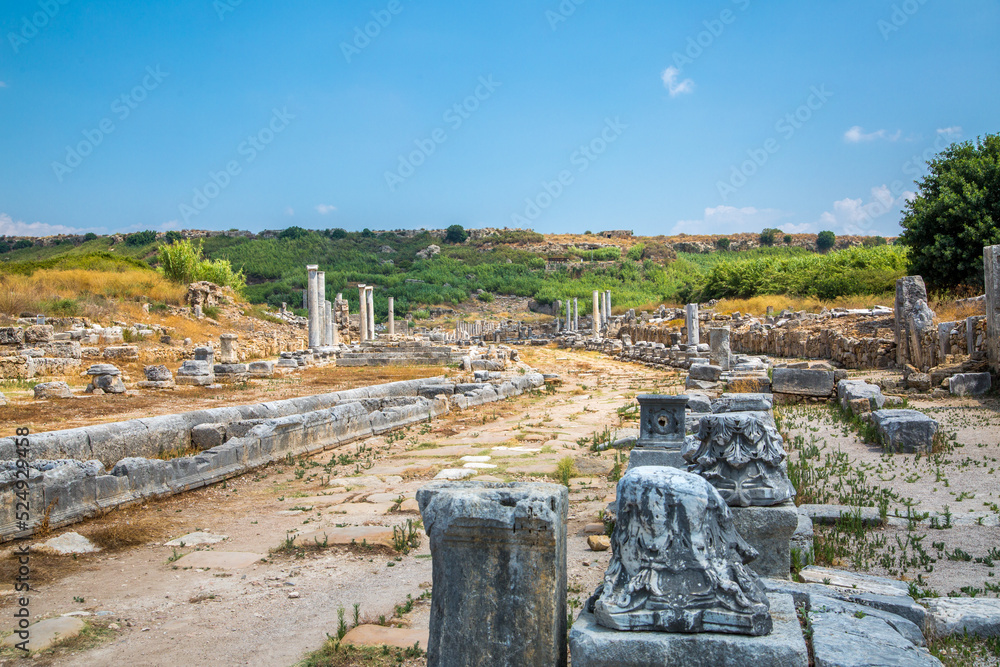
(594, 646)
(220, 560)
(49, 632)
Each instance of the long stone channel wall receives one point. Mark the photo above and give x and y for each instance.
(77, 487)
(793, 341)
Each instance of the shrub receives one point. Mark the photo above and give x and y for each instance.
(825, 240)
(722, 244)
(21, 244)
(182, 262)
(635, 252)
(4, 247)
(292, 233)
(337, 233)
(485, 297)
(140, 238)
(788, 239)
(90, 236)
(455, 234)
(172, 236)
(768, 236)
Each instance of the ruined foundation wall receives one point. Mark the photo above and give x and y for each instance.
(77, 489)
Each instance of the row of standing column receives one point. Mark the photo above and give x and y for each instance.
(322, 331)
(602, 311)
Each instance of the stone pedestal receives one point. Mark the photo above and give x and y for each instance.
(227, 349)
(499, 573)
(769, 530)
(661, 431)
(596, 646)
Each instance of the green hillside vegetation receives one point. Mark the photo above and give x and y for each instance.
(274, 269)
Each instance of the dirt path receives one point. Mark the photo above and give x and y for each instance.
(273, 611)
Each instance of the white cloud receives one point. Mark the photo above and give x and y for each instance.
(11, 227)
(730, 220)
(857, 134)
(953, 132)
(289, 211)
(326, 208)
(670, 78)
(170, 224)
(857, 217)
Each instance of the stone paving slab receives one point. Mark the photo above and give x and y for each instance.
(220, 560)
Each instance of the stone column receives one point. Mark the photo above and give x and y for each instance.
(313, 305)
(321, 304)
(499, 573)
(691, 320)
(334, 325)
(329, 326)
(569, 315)
(392, 316)
(227, 352)
(944, 338)
(597, 317)
(558, 309)
(363, 311)
(718, 339)
(912, 317)
(991, 262)
(607, 306)
(970, 334)
(576, 314)
(371, 312)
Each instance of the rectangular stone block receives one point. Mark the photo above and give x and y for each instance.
(802, 382)
(499, 573)
(969, 384)
(905, 430)
(595, 646)
(769, 530)
(11, 336)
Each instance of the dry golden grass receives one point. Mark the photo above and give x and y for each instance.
(123, 529)
(950, 311)
(758, 305)
(95, 291)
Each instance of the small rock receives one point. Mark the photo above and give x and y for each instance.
(53, 390)
(599, 542)
(69, 543)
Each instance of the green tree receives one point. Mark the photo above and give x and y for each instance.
(955, 213)
(140, 238)
(768, 236)
(788, 239)
(826, 240)
(292, 233)
(182, 262)
(455, 234)
(723, 243)
(90, 236)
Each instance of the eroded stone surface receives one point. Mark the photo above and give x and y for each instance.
(499, 572)
(678, 564)
(742, 455)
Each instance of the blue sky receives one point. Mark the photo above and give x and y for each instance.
(568, 116)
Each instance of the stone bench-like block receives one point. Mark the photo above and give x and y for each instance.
(970, 384)
(905, 430)
(499, 573)
(595, 646)
(802, 382)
